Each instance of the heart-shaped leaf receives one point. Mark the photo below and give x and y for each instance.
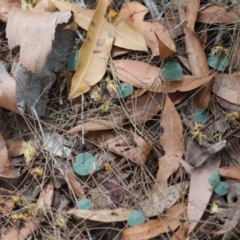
(214, 179)
(84, 204)
(172, 71)
(136, 218)
(125, 90)
(201, 115)
(73, 60)
(222, 189)
(218, 62)
(85, 164)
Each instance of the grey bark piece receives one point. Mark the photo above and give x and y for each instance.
(32, 88)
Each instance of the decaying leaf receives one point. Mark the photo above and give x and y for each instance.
(96, 51)
(36, 25)
(6, 169)
(5, 7)
(192, 12)
(16, 147)
(200, 193)
(230, 172)
(75, 184)
(172, 143)
(128, 144)
(153, 228)
(227, 87)
(153, 206)
(125, 36)
(134, 13)
(217, 14)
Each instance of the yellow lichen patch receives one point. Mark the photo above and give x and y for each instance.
(38, 171)
(19, 200)
(215, 208)
(29, 153)
(233, 118)
(197, 133)
(60, 222)
(218, 48)
(19, 216)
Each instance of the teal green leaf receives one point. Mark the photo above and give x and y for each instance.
(73, 60)
(85, 164)
(172, 71)
(222, 189)
(214, 179)
(135, 218)
(124, 90)
(201, 115)
(84, 204)
(218, 62)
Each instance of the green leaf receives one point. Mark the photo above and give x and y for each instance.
(218, 62)
(136, 218)
(222, 189)
(201, 115)
(172, 71)
(124, 90)
(214, 179)
(73, 60)
(84, 204)
(85, 164)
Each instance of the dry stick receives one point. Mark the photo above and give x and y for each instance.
(231, 133)
(150, 4)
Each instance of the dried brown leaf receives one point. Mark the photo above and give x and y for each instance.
(6, 6)
(153, 228)
(96, 51)
(230, 172)
(200, 193)
(75, 184)
(171, 141)
(44, 6)
(227, 87)
(16, 147)
(36, 25)
(6, 169)
(134, 13)
(217, 14)
(192, 12)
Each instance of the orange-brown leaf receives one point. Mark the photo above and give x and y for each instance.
(75, 184)
(16, 147)
(171, 141)
(230, 172)
(192, 12)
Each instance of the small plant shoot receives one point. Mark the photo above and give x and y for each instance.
(136, 218)
(172, 71)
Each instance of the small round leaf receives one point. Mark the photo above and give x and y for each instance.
(214, 179)
(222, 189)
(84, 204)
(201, 115)
(136, 218)
(85, 164)
(218, 62)
(124, 90)
(172, 71)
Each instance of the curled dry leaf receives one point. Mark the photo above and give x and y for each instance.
(200, 193)
(227, 87)
(16, 147)
(153, 206)
(96, 51)
(128, 145)
(6, 6)
(134, 13)
(44, 6)
(125, 36)
(181, 233)
(45, 200)
(192, 12)
(36, 25)
(217, 14)
(75, 184)
(230, 172)
(153, 228)
(171, 141)
(6, 169)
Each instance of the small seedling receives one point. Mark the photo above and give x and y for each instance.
(86, 164)
(73, 60)
(124, 90)
(136, 218)
(84, 204)
(201, 115)
(172, 71)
